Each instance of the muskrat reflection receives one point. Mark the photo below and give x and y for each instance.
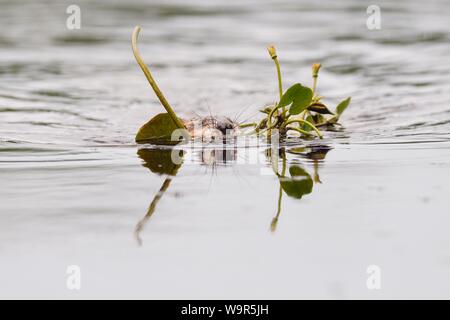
(299, 181)
(294, 180)
(212, 157)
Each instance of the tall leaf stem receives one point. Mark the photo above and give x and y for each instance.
(152, 81)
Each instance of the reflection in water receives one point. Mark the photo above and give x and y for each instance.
(160, 162)
(314, 153)
(294, 180)
(299, 181)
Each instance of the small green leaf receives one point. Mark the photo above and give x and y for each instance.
(299, 184)
(298, 96)
(158, 130)
(266, 110)
(342, 106)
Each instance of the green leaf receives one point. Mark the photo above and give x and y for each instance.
(160, 160)
(298, 96)
(158, 130)
(266, 110)
(318, 119)
(299, 184)
(342, 106)
(305, 127)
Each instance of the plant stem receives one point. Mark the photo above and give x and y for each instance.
(273, 225)
(280, 84)
(151, 209)
(271, 113)
(303, 114)
(245, 125)
(315, 74)
(314, 85)
(152, 82)
(300, 131)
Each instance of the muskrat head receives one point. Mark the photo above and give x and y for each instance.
(212, 128)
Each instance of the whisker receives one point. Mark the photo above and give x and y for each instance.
(240, 113)
(253, 115)
(208, 106)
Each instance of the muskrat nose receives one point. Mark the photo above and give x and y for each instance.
(225, 125)
(225, 128)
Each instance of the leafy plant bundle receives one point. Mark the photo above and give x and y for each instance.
(299, 109)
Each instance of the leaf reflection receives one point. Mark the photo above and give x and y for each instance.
(160, 162)
(295, 181)
(299, 181)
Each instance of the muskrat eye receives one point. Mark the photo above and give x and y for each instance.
(208, 121)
